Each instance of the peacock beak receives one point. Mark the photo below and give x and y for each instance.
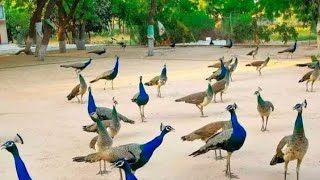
(113, 166)
(2, 147)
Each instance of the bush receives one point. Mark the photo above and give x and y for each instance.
(286, 32)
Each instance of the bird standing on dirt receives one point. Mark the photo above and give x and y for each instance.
(109, 75)
(311, 76)
(78, 67)
(264, 109)
(233, 67)
(173, 44)
(221, 86)
(205, 132)
(230, 140)
(142, 152)
(228, 45)
(293, 147)
(220, 73)
(259, 64)
(159, 80)
(103, 141)
(254, 52)
(290, 50)
(98, 52)
(200, 99)
(141, 99)
(21, 169)
(79, 89)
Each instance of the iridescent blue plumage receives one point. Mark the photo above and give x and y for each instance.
(141, 99)
(21, 169)
(124, 164)
(148, 148)
(91, 104)
(164, 71)
(223, 72)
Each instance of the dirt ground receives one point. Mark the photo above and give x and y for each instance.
(34, 104)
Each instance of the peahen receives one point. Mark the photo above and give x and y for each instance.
(199, 99)
(125, 166)
(104, 140)
(159, 80)
(142, 152)
(78, 67)
(264, 108)
(109, 75)
(21, 169)
(228, 45)
(218, 64)
(79, 89)
(311, 76)
(233, 67)
(98, 52)
(205, 132)
(220, 73)
(259, 64)
(221, 86)
(290, 50)
(292, 147)
(141, 99)
(230, 140)
(253, 53)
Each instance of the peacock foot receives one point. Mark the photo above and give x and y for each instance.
(106, 172)
(100, 173)
(220, 158)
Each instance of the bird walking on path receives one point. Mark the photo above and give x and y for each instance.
(311, 76)
(264, 109)
(159, 80)
(290, 50)
(230, 140)
(220, 73)
(200, 99)
(21, 169)
(221, 86)
(259, 64)
(294, 146)
(141, 99)
(78, 67)
(98, 52)
(109, 75)
(78, 90)
(228, 45)
(233, 67)
(253, 53)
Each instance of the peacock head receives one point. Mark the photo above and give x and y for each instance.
(9, 146)
(232, 107)
(300, 106)
(257, 93)
(209, 90)
(115, 102)
(166, 128)
(141, 79)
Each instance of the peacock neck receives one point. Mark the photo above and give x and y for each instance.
(103, 133)
(234, 120)
(87, 63)
(128, 173)
(298, 126)
(164, 72)
(142, 91)
(156, 142)
(115, 114)
(20, 167)
(116, 66)
(260, 100)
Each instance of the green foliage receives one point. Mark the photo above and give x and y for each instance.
(286, 32)
(243, 28)
(264, 33)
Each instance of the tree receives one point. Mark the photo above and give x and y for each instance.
(47, 29)
(151, 27)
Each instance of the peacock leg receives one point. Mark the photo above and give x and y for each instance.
(298, 167)
(81, 99)
(105, 85)
(104, 168)
(259, 71)
(78, 99)
(143, 117)
(262, 127)
(214, 98)
(112, 84)
(265, 128)
(312, 86)
(221, 96)
(231, 77)
(307, 86)
(100, 171)
(215, 155)
(159, 92)
(220, 155)
(285, 169)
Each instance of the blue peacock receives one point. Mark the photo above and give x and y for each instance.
(141, 99)
(21, 169)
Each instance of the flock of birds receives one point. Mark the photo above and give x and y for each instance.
(219, 135)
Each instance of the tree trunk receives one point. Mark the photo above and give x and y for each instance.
(318, 29)
(47, 30)
(62, 39)
(36, 17)
(151, 27)
(39, 36)
(81, 45)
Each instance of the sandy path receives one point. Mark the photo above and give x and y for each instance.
(34, 104)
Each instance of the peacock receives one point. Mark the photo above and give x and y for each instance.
(207, 131)
(142, 152)
(141, 99)
(218, 64)
(125, 166)
(311, 76)
(109, 75)
(233, 67)
(103, 140)
(292, 147)
(230, 140)
(264, 108)
(78, 67)
(221, 86)
(79, 89)
(159, 80)
(290, 50)
(259, 64)
(98, 52)
(21, 169)
(218, 74)
(199, 99)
